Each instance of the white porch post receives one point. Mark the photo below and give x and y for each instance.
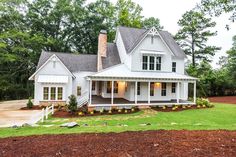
(194, 92)
(149, 92)
(112, 92)
(177, 94)
(90, 92)
(135, 92)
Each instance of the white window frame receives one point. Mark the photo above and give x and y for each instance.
(148, 62)
(49, 93)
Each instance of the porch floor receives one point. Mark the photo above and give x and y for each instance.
(100, 100)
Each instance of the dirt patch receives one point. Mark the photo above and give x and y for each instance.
(35, 107)
(65, 114)
(148, 143)
(180, 108)
(223, 99)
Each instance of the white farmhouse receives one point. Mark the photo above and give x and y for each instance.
(141, 68)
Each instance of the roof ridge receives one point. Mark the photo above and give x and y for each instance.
(67, 53)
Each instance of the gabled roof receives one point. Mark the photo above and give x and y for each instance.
(121, 71)
(112, 58)
(132, 36)
(73, 62)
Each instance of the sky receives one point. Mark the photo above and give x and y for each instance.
(170, 11)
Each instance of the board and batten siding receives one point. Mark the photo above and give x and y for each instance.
(50, 69)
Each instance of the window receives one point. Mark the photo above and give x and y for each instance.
(158, 63)
(108, 86)
(53, 93)
(163, 89)
(173, 87)
(45, 93)
(138, 88)
(145, 62)
(93, 85)
(59, 93)
(126, 86)
(152, 89)
(173, 66)
(151, 62)
(78, 90)
(115, 87)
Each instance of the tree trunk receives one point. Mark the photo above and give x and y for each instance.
(193, 53)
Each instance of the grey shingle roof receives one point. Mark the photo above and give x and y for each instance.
(112, 58)
(74, 62)
(132, 36)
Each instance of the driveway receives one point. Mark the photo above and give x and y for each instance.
(10, 113)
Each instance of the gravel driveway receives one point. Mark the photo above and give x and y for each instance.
(10, 113)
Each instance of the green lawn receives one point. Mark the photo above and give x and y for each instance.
(222, 116)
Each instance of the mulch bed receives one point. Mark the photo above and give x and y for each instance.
(169, 109)
(126, 144)
(65, 114)
(223, 99)
(35, 107)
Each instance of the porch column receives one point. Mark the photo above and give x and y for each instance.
(194, 92)
(135, 92)
(177, 94)
(112, 92)
(90, 92)
(149, 92)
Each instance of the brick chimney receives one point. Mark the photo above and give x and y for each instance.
(102, 48)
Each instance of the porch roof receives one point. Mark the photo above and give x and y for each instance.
(122, 72)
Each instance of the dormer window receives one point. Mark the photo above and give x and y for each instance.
(158, 63)
(151, 62)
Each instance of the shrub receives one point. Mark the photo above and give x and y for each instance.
(203, 102)
(30, 103)
(72, 104)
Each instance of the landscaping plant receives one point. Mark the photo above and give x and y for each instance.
(30, 103)
(72, 104)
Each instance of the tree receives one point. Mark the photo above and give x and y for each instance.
(128, 14)
(152, 22)
(72, 104)
(193, 36)
(217, 7)
(232, 59)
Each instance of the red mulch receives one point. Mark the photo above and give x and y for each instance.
(65, 114)
(223, 99)
(149, 143)
(35, 107)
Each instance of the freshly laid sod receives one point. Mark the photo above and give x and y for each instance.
(222, 116)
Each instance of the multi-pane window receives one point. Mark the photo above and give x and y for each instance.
(108, 86)
(145, 63)
(53, 93)
(173, 87)
(93, 85)
(78, 90)
(45, 93)
(152, 89)
(115, 87)
(138, 88)
(158, 63)
(59, 93)
(151, 62)
(163, 89)
(173, 66)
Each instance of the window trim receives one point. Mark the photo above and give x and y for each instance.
(156, 63)
(59, 93)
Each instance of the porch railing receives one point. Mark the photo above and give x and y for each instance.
(83, 99)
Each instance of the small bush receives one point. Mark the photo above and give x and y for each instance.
(72, 104)
(203, 102)
(30, 103)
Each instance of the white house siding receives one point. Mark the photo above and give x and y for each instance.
(179, 65)
(158, 45)
(81, 80)
(50, 69)
(126, 59)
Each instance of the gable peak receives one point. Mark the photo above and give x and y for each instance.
(153, 31)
